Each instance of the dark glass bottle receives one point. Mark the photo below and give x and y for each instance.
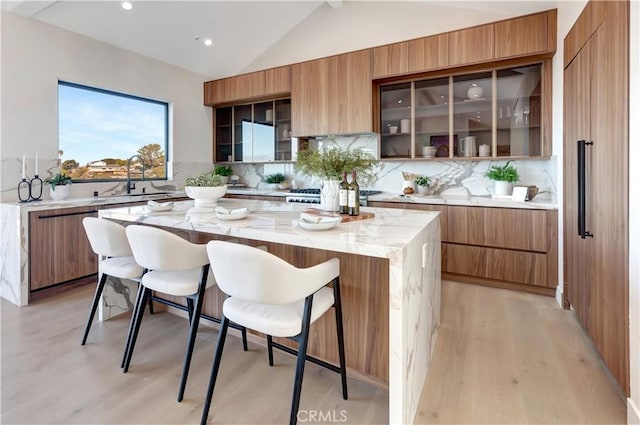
(354, 195)
(343, 195)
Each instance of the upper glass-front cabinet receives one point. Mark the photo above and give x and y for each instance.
(486, 114)
(261, 132)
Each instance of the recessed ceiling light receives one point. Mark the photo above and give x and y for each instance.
(127, 5)
(208, 42)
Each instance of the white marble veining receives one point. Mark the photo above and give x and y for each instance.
(538, 203)
(409, 239)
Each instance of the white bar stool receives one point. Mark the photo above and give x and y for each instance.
(109, 241)
(273, 297)
(174, 267)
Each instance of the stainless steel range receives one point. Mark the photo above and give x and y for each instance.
(312, 196)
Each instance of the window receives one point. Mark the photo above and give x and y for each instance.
(100, 131)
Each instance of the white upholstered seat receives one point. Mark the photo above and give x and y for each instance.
(109, 241)
(271, 296)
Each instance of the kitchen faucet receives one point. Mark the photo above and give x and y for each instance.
(129, 187)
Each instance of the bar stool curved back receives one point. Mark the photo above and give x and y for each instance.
(174, 267)
(109, 241)
(273, 297)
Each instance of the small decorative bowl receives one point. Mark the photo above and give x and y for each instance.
(205, 195)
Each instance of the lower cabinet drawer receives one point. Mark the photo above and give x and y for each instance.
(500, 264)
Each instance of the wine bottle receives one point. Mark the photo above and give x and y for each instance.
(343, 195)
(354, 195)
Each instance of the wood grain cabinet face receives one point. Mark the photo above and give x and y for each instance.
(473, 45)
(310, 97)
(277, 80)
(390, 60)
(250, 86)
(59, 250)
(429, 53)
(521, 36)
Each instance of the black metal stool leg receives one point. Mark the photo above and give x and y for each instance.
(214, 369)
(94, 306)
(190, 309)
(131, 324)
(303, 340)
(339, 331)
(270, 349)
(151, 306)
(145, 295)
(195, 320)
(244, 339)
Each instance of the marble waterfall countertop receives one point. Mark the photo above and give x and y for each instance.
(409, 239)
(538, 203)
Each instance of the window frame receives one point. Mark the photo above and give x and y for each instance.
(127, 96)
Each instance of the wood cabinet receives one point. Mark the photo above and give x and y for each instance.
(59, 250)
(511, 248)
(526, 35)
(472, 45)
(270, 82)
(390, 60)
(332, 95)
(428, 53)
(596, 264)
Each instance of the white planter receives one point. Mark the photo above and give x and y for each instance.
(423, 190)
(330, 195)
(502, 188)
(59, 192)
(204, 195)
(224, 179)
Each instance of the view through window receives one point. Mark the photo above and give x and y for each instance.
(100, 131)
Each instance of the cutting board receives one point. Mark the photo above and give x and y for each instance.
(345, 217)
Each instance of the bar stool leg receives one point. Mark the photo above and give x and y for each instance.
(214, 369)
(145, 295)
(302, 359)
(270, 349)
(132, 322)
(190, 309)
(94, 306)
(195, 320)
(339, 331)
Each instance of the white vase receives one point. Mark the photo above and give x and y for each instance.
(60, 192)
(423, 190)
(330, 195)
(502, 188)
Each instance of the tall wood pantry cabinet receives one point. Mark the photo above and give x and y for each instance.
(596, 176)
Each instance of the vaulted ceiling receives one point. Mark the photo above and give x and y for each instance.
(248, 35)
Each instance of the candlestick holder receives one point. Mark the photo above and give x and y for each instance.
(30, 190)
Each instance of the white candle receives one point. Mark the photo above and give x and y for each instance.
(24, 174)
(35, 171)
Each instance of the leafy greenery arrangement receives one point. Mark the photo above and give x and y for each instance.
(506, 173)
(58, 179)
(422, 181)
(221, 170)
(275, 178)
(209, 179)
(329, 164)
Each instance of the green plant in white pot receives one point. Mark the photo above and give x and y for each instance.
(276, 180)
(224, 172)
(329, 165)
(503, 176)
(423, 184)
(59, 185)
(205, 189)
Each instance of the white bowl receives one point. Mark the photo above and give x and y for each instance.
(475, 92)
(205, 195)
(237, 214)
(311, 222)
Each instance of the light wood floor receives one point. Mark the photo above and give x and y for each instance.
(501, 357)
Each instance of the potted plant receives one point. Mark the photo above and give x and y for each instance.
(224, 172)
(62, 182)
(423, 184)
(329, 164)
(276, 180)
(504, 177)
(205, 189)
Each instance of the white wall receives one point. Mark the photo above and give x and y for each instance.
(633, 403)
(35, 55)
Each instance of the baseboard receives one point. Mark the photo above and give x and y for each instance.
(633, 413)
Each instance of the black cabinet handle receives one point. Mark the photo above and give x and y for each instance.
(582, 202)
(42, 217)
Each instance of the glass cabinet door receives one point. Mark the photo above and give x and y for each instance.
(519, 111)
(263, 132)
(242, 133)
(432, 118)
(284, 141)
(223, 135)
(395, 123)
(472, 113)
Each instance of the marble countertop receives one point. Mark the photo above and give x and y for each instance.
(382, 236)
(538, 203)
(98, 200)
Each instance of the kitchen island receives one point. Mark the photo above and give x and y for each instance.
(390, 279)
